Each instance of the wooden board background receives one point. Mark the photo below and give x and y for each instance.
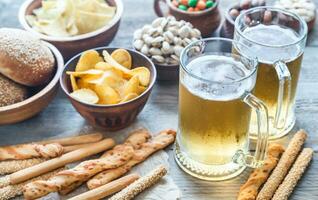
(60, 118)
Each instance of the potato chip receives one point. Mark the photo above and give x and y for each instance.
(90, 21)
(73, 83)
(82, 83)
(143, 74)
(131, 86)
(129, 97)
(122, 57)
(107, 95)
(103, 66)
(85, 95)
(115, 64)
(141, 89)
(88, 60)
(87, 72)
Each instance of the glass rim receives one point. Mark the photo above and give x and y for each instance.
(248, 75)
(272, 8)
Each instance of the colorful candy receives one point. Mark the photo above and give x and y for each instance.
(193, 5)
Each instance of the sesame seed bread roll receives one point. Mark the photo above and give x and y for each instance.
(11, 92)
(24, 58)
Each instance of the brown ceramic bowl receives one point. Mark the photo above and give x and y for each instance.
(227, 30)
(167, 72)
(70, 46)
(207, 21)
(110, 117)
(39, 100)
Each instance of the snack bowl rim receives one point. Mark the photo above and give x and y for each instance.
(148, 90)
(112, 23)
(59, 63)
(196, 13)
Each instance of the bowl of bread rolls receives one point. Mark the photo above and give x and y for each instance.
(29, 74)
(72, 26)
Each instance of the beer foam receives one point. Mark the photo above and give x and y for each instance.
(274, 38)
(224, 73)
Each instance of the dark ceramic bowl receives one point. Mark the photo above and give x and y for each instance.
(110, 117)
(207, 21)
(227, 30)
(70, 46)
(167, 72)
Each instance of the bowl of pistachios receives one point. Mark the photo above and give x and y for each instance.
(162, 41)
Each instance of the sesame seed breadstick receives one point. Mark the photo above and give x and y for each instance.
(12, 191)
(141, 184)
(136, 138)
(295, 173)
(284, 164)
(26, 151)
(160, 141)
(108, 189)
(86, 169)
(249, 190)
(10, 166)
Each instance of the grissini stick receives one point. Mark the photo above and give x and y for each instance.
(77, 146)
(135, 139)
(12, 191)
(249, 190)
(108, 189)
(284, 164)
(119, 156)
(160, 141)
(10, 166)
(26, 151)
(294, 174)
(74, 140)
(141, 184)
(61, 161)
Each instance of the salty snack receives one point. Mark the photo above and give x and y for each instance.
(118, 156)
(70, 17)
(10, 166)
(293, 176)
(75, 140)
(141, 184)
(244, 5)
(25, 151)
(249, 190)
(108, 80)
(49, 165)
(24, 58)
(193, 5)
(107, 189)
(164, 39)
(160, 141)
(304, 8)
(11, 92)
(284, 164)
(12, 191)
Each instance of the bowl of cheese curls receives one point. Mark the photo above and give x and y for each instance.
(108, 86)
(73, 26)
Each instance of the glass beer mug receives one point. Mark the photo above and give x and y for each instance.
(215, 104)
(277, 38)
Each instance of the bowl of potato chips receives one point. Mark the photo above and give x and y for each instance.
(109, 86)
(73, 26)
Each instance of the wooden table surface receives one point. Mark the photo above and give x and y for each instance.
(161, 111)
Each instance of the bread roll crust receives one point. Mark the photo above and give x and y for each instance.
(11, 92)
(24, 58)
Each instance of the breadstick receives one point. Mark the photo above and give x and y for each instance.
(77, 146)
(74, 140)
(293, 176)
(283, 166)
(135, 139)
(55, 163)
(119, 156)
(26, 151)
(107, 189)
(10, 166)
(141, 184)
(12, 191)
(160, 141)
(249, 190)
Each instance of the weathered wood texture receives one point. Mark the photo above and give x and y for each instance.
(161, 111)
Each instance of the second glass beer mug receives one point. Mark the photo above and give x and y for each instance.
(278, 39)
(215, 104)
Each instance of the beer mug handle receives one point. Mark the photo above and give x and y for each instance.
(284, 95)
(257, 159)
